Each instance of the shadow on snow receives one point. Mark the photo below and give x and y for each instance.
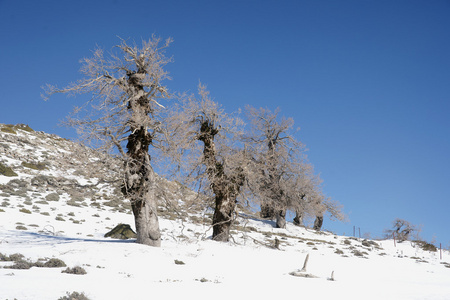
(18, 235)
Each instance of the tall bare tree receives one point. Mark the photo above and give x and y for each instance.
(213, 160)
(123, 111)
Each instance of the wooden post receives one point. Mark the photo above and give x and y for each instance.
(440, 249)
(359, 230)
(305, 263)
(393, 235)
(354, 234)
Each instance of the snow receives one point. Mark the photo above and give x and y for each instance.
(119, 269)
(247, 267)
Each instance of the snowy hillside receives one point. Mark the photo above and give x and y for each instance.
(50, 208)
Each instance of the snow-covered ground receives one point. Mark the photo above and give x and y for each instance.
(249, 267)
(119, 269)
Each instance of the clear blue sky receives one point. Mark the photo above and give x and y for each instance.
(368, 83)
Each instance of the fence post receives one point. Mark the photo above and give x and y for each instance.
(393, 235)
(440, 249)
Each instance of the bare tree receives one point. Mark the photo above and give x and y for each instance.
(123, 113)
(277, 158)
(402, 229)
(282, 178)
(308, 196)
(210, 155)
(309, 199)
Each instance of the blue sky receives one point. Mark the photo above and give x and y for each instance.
(368, 83)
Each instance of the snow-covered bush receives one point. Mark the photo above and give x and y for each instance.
(52, 197)
(54, 263)
(75, 270)
(74, 296)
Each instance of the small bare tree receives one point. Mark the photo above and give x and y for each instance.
(212, 160)
(402, 229)
(123, 112)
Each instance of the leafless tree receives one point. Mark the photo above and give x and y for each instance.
(309, 199)
(402, 229)
(123, 113)
(312, 202)
(308, 196)
(277, 158)
(282, 178)
(207, 140)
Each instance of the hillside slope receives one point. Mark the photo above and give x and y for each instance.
(55, 208)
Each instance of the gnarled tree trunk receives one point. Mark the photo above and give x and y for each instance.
(225, 188)
(140, 178)
(140, 181)
(281, 218)
(223, 218)
(318, 222)
(146, 221)
(267, 210)
(145, 212)
(298, 219)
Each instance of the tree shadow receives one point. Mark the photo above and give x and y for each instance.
(270, 222)
(41, 237)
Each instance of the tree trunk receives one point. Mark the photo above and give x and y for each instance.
(281, 218)
(318, 223)
(267, 211)
(225, 188)
(298, 220)
(222, 218)
(145, 213)
(146, 221)
(140, 187)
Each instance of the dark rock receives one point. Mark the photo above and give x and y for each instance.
(121, 231)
